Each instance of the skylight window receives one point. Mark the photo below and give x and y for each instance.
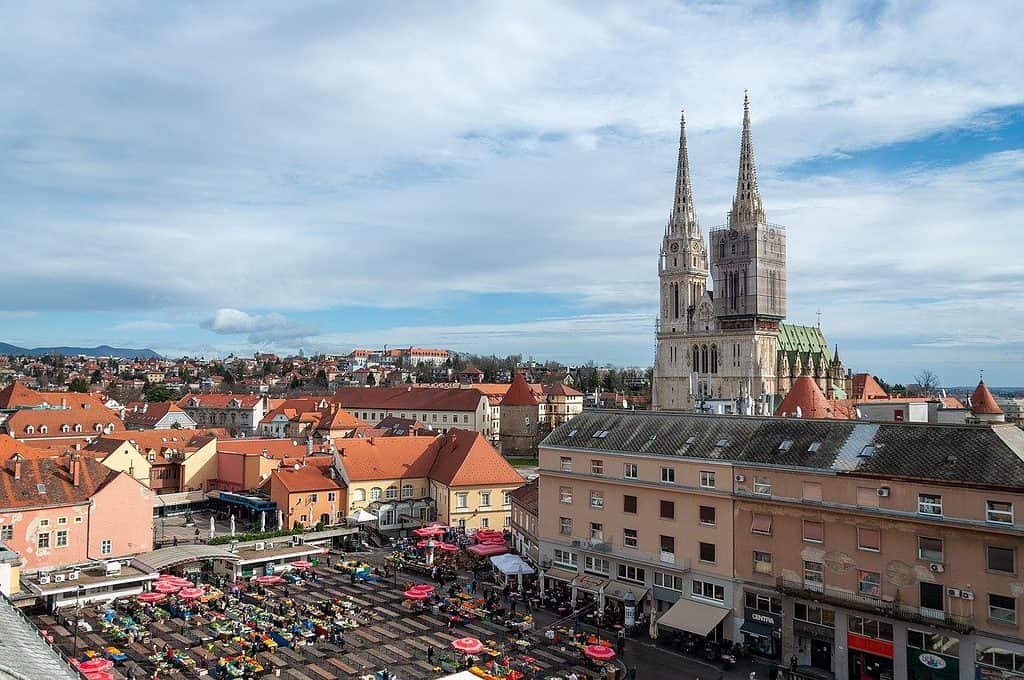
(572, 433)
(722, 443)
(785, 445)
(691, 441)
(41, 488)
(814, 447)
(600, 434)
(867, 451)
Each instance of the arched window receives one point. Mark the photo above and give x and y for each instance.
(78, 427)
(109, 428)
(696, 358)
(407, 491)
(358, 495)
(703, 358)
(97, 427)
(721, 249)
(375, 493)
(43, 429)
(30, 430)
(392, 492)
(65, 428)
(714, 358)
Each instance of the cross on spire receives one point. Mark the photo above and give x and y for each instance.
(746, 205)
(683, 219)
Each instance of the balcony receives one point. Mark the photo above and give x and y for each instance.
(879, 607)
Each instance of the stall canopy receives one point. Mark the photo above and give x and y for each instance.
(511, 565)
(487, 549)
(360, 516)
(693, 617)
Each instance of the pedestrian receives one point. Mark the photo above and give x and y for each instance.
(620, 644)
(430, 654)
(632, 673)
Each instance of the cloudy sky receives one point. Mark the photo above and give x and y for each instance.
(207, 178)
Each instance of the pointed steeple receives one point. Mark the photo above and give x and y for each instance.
(683, 220)
(746, 205)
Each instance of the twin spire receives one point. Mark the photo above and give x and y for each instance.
(746, 204)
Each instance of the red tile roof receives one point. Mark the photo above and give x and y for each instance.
(386, 457)
(48, 482)
(16, 394)
(519, 393)
(983, 402)
(866, 387)
(466, 458)
(310, 477)
(408, 398)
(149, 414)
(219, 400)
(86, 421)
(275, 448)
(806, 396)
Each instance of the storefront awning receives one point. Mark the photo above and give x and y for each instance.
(756, 629)
(560, 574)
(693, 617)
(591, 584)
(618, 591)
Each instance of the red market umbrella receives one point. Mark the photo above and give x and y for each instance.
(96, 665)
(424, 532)
(468, 645)
(302, 564)
(190, 593)
(176, 580)
(447, 547)
(599, 653)
(413, 594)
(166, 587)
(487, 549)
(152, 598)
(427, 544)
(268, 580)
(423, 588)
(99, 675)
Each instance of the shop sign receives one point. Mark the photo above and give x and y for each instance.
(763, 617)
(869, 645)
(932, 661)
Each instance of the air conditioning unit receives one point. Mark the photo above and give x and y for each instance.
(58, 578)
(113, 567)
(44, 579)
(545, 564)
(73, 575)
(953, 592)
(936, 567)
(296, 540)
(882, 491)
(576, 543)
(741, 478)
(260, 545)
(967, 594)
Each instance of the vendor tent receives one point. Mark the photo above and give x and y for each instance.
(360, 516)
(486, 549)
(511, 565)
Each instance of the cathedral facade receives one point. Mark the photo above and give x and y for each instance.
(727, 349)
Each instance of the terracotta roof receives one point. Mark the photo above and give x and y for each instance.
(335, 418)
(386, 457)
(219, 400)
(154, 440)
(275, 448)
(149, 414)
(983, 402)
(866, 387)
(806, 396)
(527, 496)
(466, 458)
(16, 394)
(290, 407)
(53, 419)
(561, 390)
(309, 477)
(519, 393)
(48, 482)
(408, 398)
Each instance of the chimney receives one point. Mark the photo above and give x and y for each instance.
(16, 459)
(76, 469)
(63, 402)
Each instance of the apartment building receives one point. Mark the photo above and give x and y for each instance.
(868, 550)
(523, 524)
(441, 409)
(240, 414)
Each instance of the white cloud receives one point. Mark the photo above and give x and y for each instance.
(260, 328)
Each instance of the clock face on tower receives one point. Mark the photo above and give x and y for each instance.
(674, 247)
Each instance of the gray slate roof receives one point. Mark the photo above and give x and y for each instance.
(965, 453)
(24, 653)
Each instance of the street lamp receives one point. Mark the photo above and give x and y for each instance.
(78, 614)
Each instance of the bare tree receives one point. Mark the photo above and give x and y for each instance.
(928, 381)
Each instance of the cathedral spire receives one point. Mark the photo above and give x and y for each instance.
(746, 205)
(683, 220)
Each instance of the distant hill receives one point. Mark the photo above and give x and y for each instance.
(101, 351)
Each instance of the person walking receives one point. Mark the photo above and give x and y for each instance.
(620, 642)
(430, 654)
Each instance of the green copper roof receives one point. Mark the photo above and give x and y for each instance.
(803, 339)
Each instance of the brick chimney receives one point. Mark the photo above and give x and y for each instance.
(76, 469)
(16, 460)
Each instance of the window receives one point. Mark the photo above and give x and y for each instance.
(869, 583)
(6, 532)
(929, 549)
(762, 602)
(707, 552)
(485, 499)
(596, 531)
(596, 466)
(629, 504)
(669, 581)
(485, 523)
(506, 498)
(62, 538)
(929, 504)
(816, 615)
(869, 539)
(933, 642)
(597, 565)
(375, 493)
(814, 532)
(1000, 559)
(629, 470)
(668, 510)
(1002, 609)
(44, 522)
(762, 485)
(61, 521)
(812, 491)
(931, 597)
(999, 658)
(878, 630)
(668, 475)
(814, 576)
(762, 562)
(508, 520)
(106, 546)
(565, 464)
(761, 523)
(708, 591)
(707, 515)
(359, 495)
(407, 491)
(999, 512)
(565, 494)
(43, 540)
(313, 497)
(564, 558)
(565, 526)
(629, 538)
(630, 573)
(462, 500)
(707, 479)
(302, 518)
(596, 499)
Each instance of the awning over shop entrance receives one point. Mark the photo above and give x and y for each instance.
(693, 617)
(756, 629)
(618, 591)
(560, 574)
(591, 584)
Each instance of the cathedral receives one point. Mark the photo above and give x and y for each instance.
(726, 349)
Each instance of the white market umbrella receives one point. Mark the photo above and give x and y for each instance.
(213, 527)
(360, 516)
